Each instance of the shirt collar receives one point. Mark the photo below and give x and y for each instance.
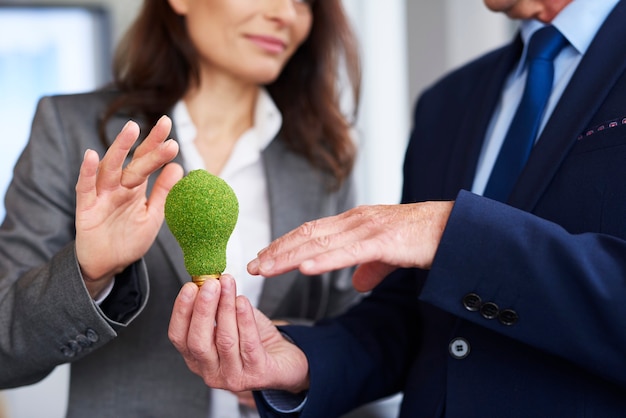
(579, 22)
(267, 121)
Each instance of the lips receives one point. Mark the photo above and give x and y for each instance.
(268, 43)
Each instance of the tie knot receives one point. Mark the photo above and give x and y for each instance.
(545, 44)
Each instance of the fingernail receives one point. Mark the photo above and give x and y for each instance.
(186, 293)
(208, 289)
(267, 265)
(253, 266)
(212, 285)
(240, 304)
(307, 265)
(166, 143)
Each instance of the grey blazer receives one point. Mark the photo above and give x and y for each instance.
(125, 368)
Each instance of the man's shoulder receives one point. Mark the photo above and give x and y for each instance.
(484, 64)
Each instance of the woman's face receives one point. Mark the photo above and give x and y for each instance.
(247, 39)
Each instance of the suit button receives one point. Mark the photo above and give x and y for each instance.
(92, 335)
(459, 348)
(67, 352)
(82, 340)
(472, 302)
(508, 317)
(74, 346)
(489, 310)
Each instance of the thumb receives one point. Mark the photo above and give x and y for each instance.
(367, 276)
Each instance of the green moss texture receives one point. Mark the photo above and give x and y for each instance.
(201, 210)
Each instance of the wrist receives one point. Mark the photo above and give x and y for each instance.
(98, 289)
(301, 380)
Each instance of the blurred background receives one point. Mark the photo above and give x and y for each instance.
(51, 47)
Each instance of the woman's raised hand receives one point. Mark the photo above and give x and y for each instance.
(116, 222)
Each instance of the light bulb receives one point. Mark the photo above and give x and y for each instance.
(201, 210)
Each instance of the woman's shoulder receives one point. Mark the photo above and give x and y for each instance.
(83, 100)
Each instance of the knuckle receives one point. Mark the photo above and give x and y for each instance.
(197, 350)
(247, 350)
(307, 229)
(354, 249)
(225, 343)
(322, 242)
(175, 339)
(232, 384)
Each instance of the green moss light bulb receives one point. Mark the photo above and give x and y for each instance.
(201, 210)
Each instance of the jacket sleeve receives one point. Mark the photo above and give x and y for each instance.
(362, 355)
(46, 314)
(564, 289)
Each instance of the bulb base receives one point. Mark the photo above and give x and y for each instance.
(199, 280)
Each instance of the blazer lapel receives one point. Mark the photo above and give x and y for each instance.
(165, 240)
(591, 83)
(464, 158)
(289, 179)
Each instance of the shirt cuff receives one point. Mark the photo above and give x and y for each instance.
(285, 402)
(105, 293)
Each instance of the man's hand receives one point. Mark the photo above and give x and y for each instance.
(377, 238)
(231, 345)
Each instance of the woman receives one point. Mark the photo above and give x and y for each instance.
(89, 272)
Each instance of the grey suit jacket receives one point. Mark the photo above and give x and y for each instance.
(125, 368)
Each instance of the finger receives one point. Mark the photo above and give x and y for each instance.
(359, 250)
(250, 345)
(321, 254)
(287, 252)
(226, 332)
(158, 135)
(170, 174)
(202, 325)
(86, 194)
(310, 239)
(110, 169)
(181, 316)
(369, 275)
(309, 231)
(139, 169)
(152, 157)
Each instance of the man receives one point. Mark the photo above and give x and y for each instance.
(505, 306)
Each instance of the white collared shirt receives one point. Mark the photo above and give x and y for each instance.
(579, 22)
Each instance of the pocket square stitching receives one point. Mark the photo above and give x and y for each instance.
(606, 125)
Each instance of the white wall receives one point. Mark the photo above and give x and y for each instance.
(405, 44)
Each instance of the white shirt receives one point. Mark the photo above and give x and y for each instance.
(245, 173)
(579, 22)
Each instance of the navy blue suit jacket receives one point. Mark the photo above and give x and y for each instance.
(552, 260)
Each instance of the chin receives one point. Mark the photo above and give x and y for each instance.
(264, 76)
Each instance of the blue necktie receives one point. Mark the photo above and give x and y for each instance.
(544, 45)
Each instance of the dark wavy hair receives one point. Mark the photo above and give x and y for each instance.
(156, 63)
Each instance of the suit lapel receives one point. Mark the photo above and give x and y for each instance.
(591, 83)
(289, 179)
(464, 157)
(165, 240)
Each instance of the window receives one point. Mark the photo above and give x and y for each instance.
(45, 50)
